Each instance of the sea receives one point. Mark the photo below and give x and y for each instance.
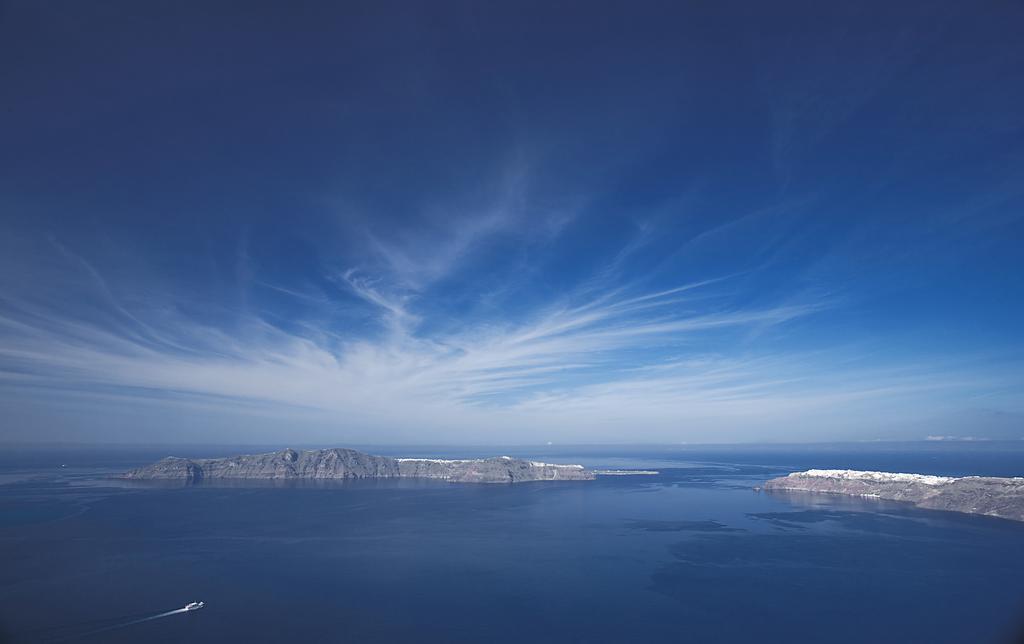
(695, 553)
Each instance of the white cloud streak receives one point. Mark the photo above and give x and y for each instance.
(594, 370)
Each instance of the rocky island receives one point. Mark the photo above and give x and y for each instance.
(324, 464)
(987, 495)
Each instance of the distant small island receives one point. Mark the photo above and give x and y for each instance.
(327, 464)
(626, 472)
(987, 495)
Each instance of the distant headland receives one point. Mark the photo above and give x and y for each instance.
(326, 464)
(987, 495)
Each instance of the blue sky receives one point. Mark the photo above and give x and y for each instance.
(445, 222)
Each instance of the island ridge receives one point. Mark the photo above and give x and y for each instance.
(324, 464)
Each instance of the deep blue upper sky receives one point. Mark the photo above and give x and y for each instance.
(511, 222)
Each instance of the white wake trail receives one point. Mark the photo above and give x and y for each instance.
(135, 621)
(151, 617)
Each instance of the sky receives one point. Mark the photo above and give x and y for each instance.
(511, 222)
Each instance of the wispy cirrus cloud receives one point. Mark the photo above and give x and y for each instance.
(586, 367)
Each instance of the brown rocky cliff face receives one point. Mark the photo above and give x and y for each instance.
(990, 496)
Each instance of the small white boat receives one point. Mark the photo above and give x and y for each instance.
(195, 605)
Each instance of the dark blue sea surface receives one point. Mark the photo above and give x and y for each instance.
(694, 554)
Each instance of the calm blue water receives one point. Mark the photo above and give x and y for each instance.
(692, 555)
